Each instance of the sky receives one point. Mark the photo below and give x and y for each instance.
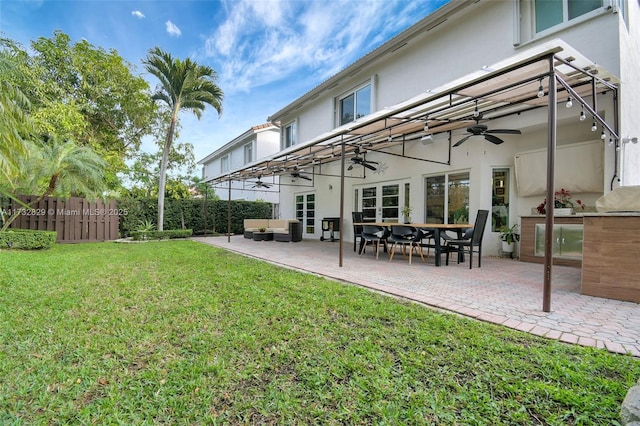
(266, 53)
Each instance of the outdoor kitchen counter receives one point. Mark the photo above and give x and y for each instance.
(610, 252)
(611, 255)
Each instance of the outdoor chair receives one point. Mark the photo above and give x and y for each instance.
(475, 235)
(373, 234)
(405, 235)
(357, 229)
(429, 235)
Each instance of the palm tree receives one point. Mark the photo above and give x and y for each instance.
(183, 85)
(62, 169)
(15, 124)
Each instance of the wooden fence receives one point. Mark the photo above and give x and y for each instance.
(75, 219)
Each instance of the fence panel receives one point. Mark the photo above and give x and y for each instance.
(75, 219)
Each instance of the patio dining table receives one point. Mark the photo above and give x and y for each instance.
(437, 229)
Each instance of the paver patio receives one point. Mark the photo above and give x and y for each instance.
(503, 291)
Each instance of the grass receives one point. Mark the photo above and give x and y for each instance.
(182, 333)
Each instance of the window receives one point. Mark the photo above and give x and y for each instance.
(224, 164)
(549, 13)
(248, 153)
(289, 136)
(447, 196)
(355, 104)
(500, 199)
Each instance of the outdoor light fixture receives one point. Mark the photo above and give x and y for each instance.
(476, 113)
(427, 139)
(540, 90)
(583, 116)
(594, 127)
(569, 102)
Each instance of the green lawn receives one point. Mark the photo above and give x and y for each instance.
(182, 333)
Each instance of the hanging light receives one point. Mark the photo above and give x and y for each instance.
(476, 113)
(610, 141)
(540, 90)
(594, 127)
(603, 136)
(426, 123)
(569, 102)
(583, 116)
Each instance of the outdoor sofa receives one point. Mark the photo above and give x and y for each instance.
(285, 230)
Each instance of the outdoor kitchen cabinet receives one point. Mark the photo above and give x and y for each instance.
(567, 240)
(567, 247)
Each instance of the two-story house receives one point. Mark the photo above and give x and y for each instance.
(461, 112)
(257, 142)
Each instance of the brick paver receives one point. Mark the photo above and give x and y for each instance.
(503, 291)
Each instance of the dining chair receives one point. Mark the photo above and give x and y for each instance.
(405, 235)
(375, 235)
(475, 235)
(357, 217)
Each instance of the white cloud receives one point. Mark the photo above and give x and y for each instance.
(173, 29)
(137, 14)
(265, 41)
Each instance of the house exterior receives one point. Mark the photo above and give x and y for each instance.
(398, 134)
(257, 142)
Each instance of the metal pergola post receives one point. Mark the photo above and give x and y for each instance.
(551, 158)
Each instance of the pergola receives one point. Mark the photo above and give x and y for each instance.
(535, 78)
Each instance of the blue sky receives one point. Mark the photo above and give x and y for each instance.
(267, 53)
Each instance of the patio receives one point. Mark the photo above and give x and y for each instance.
(503, 291)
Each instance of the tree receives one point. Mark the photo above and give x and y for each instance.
(55, 168)
(184, 85)
(15, 123)
(89, 95)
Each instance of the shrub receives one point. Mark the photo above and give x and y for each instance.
(189, 213)
(161, 235)
(27, 239)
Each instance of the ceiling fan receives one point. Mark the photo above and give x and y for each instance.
(355, 161)
(260, 184)
(482, 130)
(298, 174)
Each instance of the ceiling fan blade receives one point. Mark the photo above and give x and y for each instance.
(505, 131)
(369, 166)
(461, 141)
(304, 177)
(350, 167)
(493, 139)
(370, 162)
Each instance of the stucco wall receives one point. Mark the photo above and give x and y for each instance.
(481, 35)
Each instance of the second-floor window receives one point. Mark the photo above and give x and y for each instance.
(289, 137)
(248, 153)
(549, 13)
(224, 164)
(355, 104)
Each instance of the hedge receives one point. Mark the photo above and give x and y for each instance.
(190, 214)
(27, 239)
(161, 235)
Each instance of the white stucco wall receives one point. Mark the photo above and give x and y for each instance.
(630, 97)
(483, 34)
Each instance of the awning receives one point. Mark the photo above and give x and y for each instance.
(508, 87)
